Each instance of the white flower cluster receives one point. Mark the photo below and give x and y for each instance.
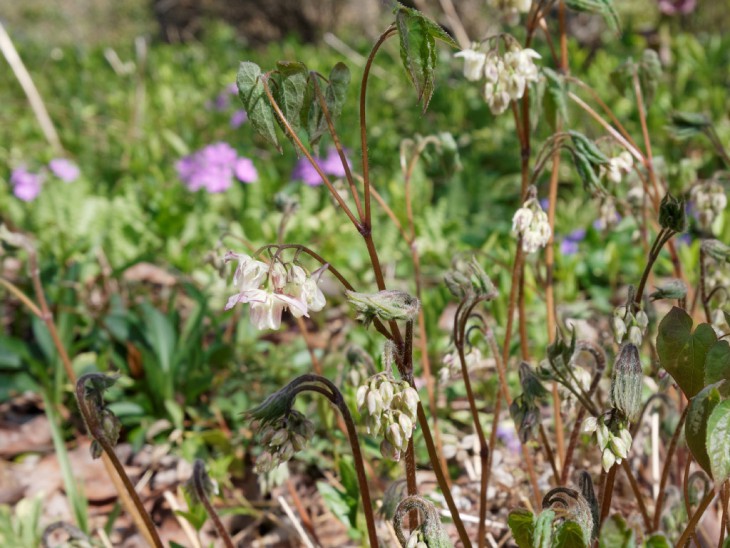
(452, 364)
(709, 201)
(390, 409)
(271, 289)
(531, 222)
(624, 322)
(617, 167)
(282, 438)
(506, 75)
(511, 9)
(614, 446)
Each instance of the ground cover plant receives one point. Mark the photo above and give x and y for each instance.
(425, 293)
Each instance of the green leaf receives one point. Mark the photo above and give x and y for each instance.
(602, 7)
(418, 35)
(337, 501)
(554, 101)
(683, 353)
(695, 429)
(615, 533)
(254, 99)
(688, 124)
(334, 96)
(289, 92)
(717, 366)
(657, 541)
(570, 535)
(718, 442)
(522, 524)
(160, 335)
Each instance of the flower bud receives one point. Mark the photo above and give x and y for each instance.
(375, 402)
(672, 214)
(716, 249)
(608, 459)
(410, 398)
(642, 320)
(360, 396)
(279, 437)
(589, 425)
(674, 289)
(406, 424)
(386, 305)
(389, 451)
(626, 382)
(602, 435)
(619, 448)
(635, 336)
(386, 393)
(394, 435)
(619, 328)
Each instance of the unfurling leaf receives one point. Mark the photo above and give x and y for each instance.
(418, 35)
(253, 96)
(291, 79)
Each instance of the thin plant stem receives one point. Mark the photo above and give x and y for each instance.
(637, 493)
(649, 163)
(695, 519)
(724, 513)
(441, 478)
(202, 496)
(608, 493)
(504, 388)
(668, 459)
(22, 297)
(410, 457)
(338, 147)
(662, 238)
(390, 31)
(97, 432)
(460, 321)
(703, 287)
(335, 397)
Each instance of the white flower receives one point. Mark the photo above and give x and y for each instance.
(522, 219)
(266, 308)
(473, 63)
(531, 223)
(617, 167)
(590, 425)
(249, 273)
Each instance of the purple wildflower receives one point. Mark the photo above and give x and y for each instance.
(508, 435)
(238, 118)
(331, 165)
(26, 185)
(64, 169)
(569, 245)
(544, 203)
(677, 7)
(213, 167)
(245, 171)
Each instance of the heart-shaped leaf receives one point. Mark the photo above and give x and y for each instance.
(253, 96)
(718, 442)
(717, 366)
(695, 429)
(683, 353)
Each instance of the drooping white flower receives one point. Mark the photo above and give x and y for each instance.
(473, 63)
(531, 223)
(617, 167)
(508, 76)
